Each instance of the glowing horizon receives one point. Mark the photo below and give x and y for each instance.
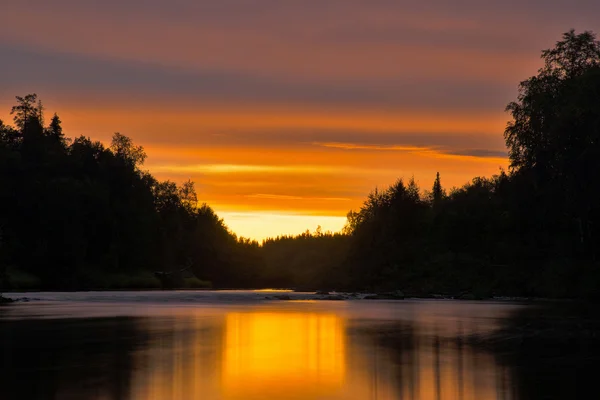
(264, 186)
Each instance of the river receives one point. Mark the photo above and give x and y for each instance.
(238, 345)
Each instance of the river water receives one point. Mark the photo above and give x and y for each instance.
(239, 345)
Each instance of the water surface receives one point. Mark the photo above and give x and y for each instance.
(238, 345)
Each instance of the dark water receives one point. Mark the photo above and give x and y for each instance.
(236, 345)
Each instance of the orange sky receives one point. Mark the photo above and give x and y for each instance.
(286, 114)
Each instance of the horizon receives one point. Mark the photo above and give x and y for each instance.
(286, 116)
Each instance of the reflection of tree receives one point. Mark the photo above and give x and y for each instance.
(539, 353)
(430, 366)
(180, 360)
(67, 359)
(552, 351)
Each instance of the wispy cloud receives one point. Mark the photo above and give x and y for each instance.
(479, 153)
(256, 168)
(68, 74)
(288, 197)
(358, 146)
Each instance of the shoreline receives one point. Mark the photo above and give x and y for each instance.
(284, 295)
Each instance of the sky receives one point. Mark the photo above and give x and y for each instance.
(286, 114)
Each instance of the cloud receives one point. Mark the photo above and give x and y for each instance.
(356, 146)
(479, 153)
(332, 38)
(241, 168)
(482, 153)
(134, 81)
(287, 197)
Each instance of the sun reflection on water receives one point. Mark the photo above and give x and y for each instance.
(314, 352)
(270, 353)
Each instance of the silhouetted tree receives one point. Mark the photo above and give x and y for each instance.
(437, 192)
(27, 108)
(125, 150)
(554, 137)
(55, 130)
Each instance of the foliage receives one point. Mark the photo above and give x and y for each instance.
(76, 214)
(195, 283)
(308, 261)
(532, 232)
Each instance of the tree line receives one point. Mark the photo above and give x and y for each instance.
(76, 214)
(533, 230)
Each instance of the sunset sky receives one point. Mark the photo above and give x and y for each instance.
(286, 113)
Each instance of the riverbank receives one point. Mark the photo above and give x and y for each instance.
(93, 280)
(21, 281)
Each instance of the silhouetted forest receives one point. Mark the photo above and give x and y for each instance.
(76, 214)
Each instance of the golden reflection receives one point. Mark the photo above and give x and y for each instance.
(267, 354)
(279, 353)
